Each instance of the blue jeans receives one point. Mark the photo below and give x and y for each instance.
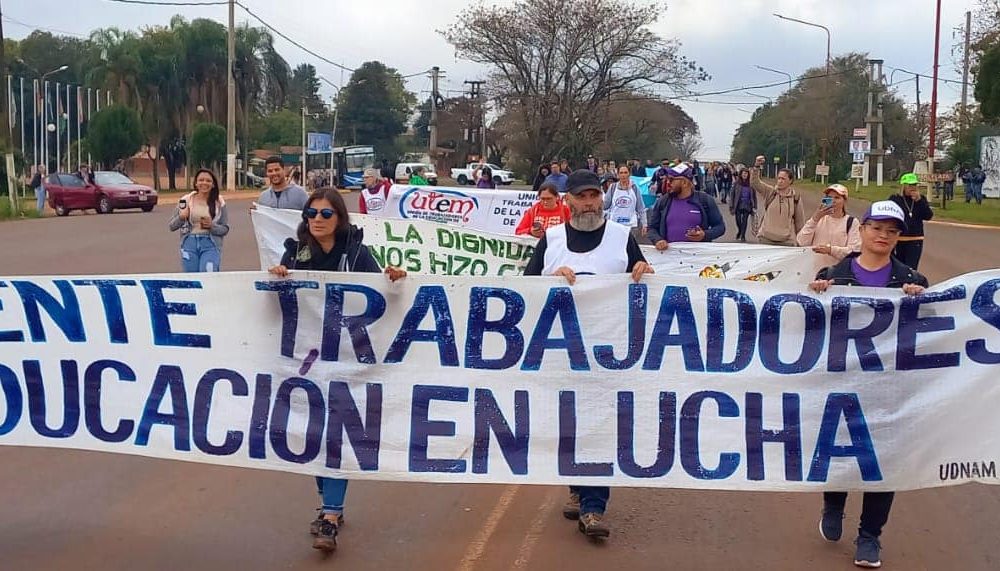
(40, 199)
(200, 254)
(593, 499)
(333, 491)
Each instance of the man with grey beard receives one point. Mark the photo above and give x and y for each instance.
(587, 245)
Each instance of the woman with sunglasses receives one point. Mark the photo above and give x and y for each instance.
(202, 218)
(327, 241)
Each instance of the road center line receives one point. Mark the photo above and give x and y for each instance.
(478, 545)
(535, 530)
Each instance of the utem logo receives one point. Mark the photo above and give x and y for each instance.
(437, 204)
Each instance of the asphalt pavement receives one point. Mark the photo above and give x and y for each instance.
(85, 510)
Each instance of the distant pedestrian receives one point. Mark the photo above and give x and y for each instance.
(540, 176)
(783, 217)
(711, 187)
(556, 176)
(203, 221)
(724, 180)
(281, 193)
(831, 232)
(978, 178)
(743, 204)
(37, 184)
(486, 179)
(417, 177)
(375, 194)
(623, 203)
(873, 266)
(659, 177)
(917, 210)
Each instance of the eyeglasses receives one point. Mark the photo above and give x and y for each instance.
(312, 213)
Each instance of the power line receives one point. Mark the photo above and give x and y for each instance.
(164, 3)
(37, 27)
(288, 39)
(941, 79)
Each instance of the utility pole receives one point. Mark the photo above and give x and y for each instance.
(303, 171)
(7, 144)
(965, 73)
(433, 143)
(476, 94)
(874, 123)
(231, 104)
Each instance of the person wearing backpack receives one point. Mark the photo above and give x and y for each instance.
(831, 232)
(783, 217)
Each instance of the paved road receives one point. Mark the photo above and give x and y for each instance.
(85, 510)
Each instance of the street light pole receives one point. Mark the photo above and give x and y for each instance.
(231, 101)
(826, 79)
(303, 171)
(788, 131)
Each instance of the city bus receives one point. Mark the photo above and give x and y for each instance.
(351, 164)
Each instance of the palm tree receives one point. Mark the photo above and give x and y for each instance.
(261, 76)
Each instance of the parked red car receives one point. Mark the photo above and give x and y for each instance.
(110, 190)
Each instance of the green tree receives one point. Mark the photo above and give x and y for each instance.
(557, 63)
(801, 118)
(375, 108)
(303, 89)
(208, 145)
(987, 90)
(115, 133)
(283, 127)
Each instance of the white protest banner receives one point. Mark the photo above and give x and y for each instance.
(423, 247)
(678, 383)
(491, 210)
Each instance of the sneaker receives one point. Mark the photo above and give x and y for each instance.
(868, 553)
(592, 525)
(572, 508)
(831, 525)
(314, 525)
(326, 537)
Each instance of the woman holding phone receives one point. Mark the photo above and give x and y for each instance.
(328, 242)
(549, 211)
(831, 232)
(202, 218)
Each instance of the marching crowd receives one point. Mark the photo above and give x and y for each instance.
(588, 222)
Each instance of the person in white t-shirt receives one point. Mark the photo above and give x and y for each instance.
(623, 203)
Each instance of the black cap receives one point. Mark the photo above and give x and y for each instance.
(582, 180)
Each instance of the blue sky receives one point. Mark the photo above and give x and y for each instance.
(727, 37)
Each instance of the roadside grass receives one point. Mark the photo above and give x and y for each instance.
(27, 209)
(987, 213)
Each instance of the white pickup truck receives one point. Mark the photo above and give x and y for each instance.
(468, 174)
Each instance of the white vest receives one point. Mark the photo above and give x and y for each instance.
(374, 200)
(609, 257)
(622, 208)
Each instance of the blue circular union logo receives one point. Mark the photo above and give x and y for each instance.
(437, 204)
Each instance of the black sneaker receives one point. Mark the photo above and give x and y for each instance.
(831, 525)
(326, 538)
(592, 525)
(314, 525)
(869, 551)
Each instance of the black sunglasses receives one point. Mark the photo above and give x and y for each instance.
(312, 213)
